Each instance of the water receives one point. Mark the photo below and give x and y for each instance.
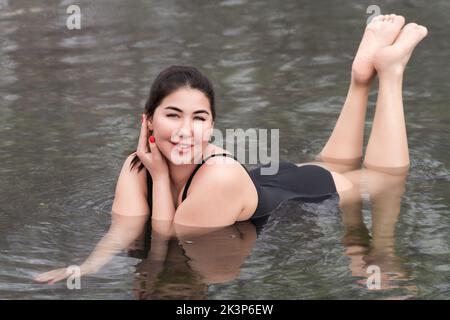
(70, 105)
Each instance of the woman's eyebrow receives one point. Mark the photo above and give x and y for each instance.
(179, 110)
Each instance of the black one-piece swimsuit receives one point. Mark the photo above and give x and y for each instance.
(309, 183)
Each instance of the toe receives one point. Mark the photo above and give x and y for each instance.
(423, 30)
(376, 18)
(410, 35)
(400, 20)
(407, 28)
(410, 25)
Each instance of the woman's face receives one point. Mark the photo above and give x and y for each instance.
(182, 125)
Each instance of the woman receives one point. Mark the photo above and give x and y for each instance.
(182, 101)
(180, 113)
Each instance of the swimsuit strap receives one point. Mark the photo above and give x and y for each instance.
(198, 167)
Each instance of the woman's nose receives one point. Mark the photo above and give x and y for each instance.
(186, 129)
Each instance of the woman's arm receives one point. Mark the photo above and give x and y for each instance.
(163, 205)
(123, 230)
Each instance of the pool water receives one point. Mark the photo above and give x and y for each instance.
(70, 105)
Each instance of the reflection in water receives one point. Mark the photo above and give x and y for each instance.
(179, 262)
(385, 193)
(183, 267)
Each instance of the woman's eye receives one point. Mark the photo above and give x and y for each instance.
(175, 115)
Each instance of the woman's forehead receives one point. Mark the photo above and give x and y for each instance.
(187, 99)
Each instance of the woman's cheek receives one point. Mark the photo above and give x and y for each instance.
(169, 149)
(205, 135)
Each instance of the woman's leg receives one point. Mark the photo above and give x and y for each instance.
(345, 143)
(387, 149)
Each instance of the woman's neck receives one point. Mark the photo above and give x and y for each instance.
(179, 174)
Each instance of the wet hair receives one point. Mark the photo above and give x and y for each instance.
(170, 80)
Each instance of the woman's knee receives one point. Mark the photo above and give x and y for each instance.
(401, 171)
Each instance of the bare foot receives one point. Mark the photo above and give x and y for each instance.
(395, 57)
(380, 32)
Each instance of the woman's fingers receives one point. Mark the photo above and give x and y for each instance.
(45, 276)
(48, 275)
(154, 149)
(143, 136)
(60, 276)
(53, 276)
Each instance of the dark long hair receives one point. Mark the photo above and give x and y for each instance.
(168, 81)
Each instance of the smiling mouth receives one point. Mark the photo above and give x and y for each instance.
(182, 146)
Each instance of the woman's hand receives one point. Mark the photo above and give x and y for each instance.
(54, 275)
(149, 154)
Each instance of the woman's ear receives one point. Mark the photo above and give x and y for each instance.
(150, 123)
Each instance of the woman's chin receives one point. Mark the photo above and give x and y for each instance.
(183, 155)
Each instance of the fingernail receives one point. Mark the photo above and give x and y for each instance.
(152, 139)
(143, 118)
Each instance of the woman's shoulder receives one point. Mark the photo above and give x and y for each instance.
(218, 169)
(232, 178)
(224, 174)
(221, 162)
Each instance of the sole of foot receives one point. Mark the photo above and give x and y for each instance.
(393, 58)
(381, 32)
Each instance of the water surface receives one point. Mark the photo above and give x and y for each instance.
(70, 105)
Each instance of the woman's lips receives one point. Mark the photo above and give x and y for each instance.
(182, 146)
